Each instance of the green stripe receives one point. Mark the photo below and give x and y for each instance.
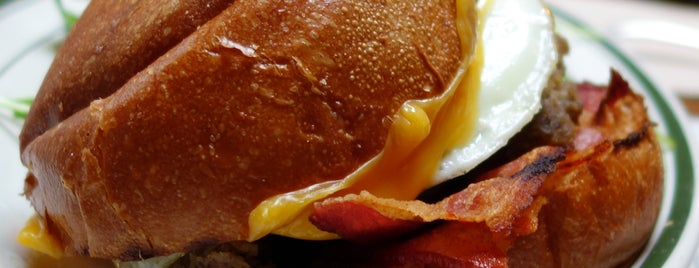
(684, 186)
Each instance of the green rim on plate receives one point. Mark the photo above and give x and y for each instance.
(683, 191)
(684, 171)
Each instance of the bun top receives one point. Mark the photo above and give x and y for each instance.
(263, 98)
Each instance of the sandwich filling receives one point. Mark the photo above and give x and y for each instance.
(495, 93)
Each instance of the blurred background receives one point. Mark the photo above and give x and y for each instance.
(685, 1)
(661, 36)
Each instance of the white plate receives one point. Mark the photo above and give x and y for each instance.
(676, 234)
(31, 29)
(662, 36)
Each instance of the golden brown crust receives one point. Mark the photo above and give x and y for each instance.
(107, 47)
(593, 205)
(265, 98)
(601, 207)
(599, 215)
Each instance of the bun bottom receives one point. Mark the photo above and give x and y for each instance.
(601, 208)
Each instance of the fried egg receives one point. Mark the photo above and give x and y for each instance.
(431, 141)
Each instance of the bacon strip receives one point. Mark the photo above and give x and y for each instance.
(496, 202)
(477, 226)
(487, 215)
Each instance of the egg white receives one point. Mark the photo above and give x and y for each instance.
(519, 56)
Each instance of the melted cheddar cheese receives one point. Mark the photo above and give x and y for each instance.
(494, 94)
(492, 97)
(421, 133)
(35, 235)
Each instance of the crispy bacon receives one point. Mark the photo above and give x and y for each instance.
(452, 244)
(587, 138)
(478, 226)
(591, 96)
(482, 219)
(605, 196)
(496, 202)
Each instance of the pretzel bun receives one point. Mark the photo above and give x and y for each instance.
(603, 202)
(162, 126)
(152, 109)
